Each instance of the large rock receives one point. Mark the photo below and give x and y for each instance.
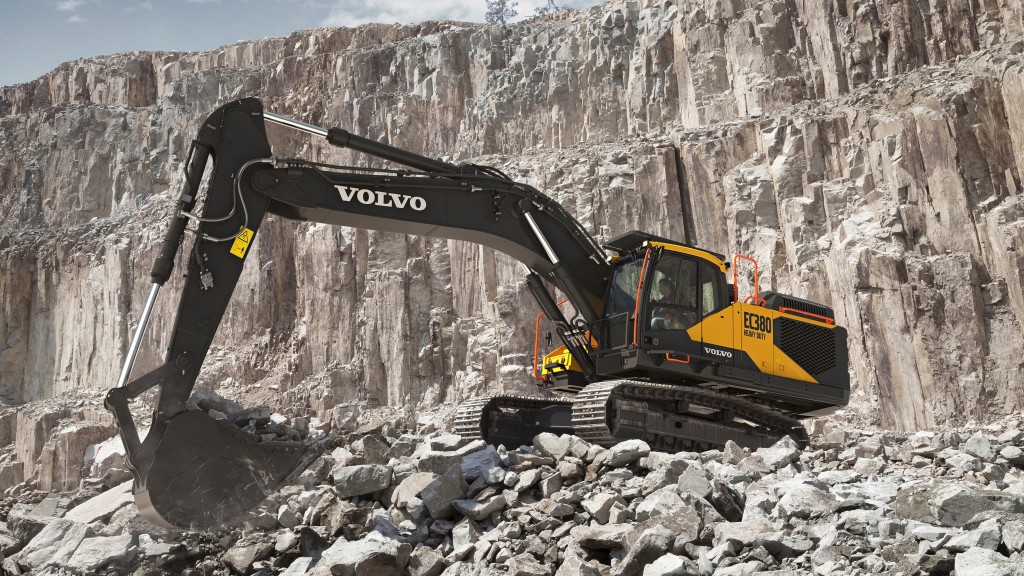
(746, 533)
(425, 562)
(475, 464)
(103, 551)
(984, 562)
(806, 501)
(599, 505)
(439, 495)
(662, 502)
(375, 554)
(362, 479)
(54, 545)
(627, 452)
(553, 445)
(104, 505)
(438, 461)
(783, 452)
(479, 510)
(652, 544)
(411, 487)
(951, 504)
(605, 537)
(241, 556)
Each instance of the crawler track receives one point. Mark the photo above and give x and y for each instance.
(669, 418)
(673, 418)
(512, 419)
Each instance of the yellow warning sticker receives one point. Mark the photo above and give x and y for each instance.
(242, 243)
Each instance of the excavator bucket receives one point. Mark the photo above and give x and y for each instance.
(207, 472)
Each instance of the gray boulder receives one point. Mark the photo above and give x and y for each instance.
(780, 454)
(988, 535)
(360, 480)
(102, 551)
(662, 502)
(652, 544)
(806, 501)
(476, 464)
(375, 554)
(668, 565)
(599, 505)
(983, 562)
(607, 537)
(445, 489)
(745, 533)
(438, 461)
(411, 487)
(627, 452)
(479, 510)
(426, 562)
(54, 544)
(551, 445)
(979, 445)
(245, 553)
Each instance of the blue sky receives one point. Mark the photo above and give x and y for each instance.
(38, 35)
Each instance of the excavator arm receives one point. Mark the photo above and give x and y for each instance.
(192, 471)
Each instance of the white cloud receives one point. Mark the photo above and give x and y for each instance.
(77, 19)
(69, 5)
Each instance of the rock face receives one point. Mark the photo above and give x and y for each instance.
(868, 154)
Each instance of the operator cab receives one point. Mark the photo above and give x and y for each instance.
(660, 294)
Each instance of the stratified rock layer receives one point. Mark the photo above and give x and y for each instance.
(866, 153)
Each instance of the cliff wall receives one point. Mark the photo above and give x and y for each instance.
(868, 154)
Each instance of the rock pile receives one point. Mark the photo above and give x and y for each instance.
(429, 503)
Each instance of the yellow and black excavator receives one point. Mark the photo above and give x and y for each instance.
(659, 345)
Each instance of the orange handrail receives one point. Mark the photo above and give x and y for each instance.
(735, 278)
(639, 288)
(671, 359)
(536, 343)
(824, 319)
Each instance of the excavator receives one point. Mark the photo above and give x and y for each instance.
(656, 342)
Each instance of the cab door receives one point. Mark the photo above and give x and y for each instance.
(671, 318)
(716, 329)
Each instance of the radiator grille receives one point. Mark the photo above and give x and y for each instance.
(812, 347)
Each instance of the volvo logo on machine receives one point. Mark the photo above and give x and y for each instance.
(379, 198)
(717, 352)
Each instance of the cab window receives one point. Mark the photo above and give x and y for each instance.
(712, 295)
(672, 293)
(622, 292)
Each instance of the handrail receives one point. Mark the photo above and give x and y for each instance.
(824, 319)
(735, 277)
(671, 359)
(536, 343)
(639, 288)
